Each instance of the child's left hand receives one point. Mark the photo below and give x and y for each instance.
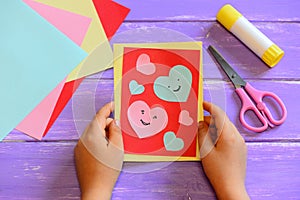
(99, 156)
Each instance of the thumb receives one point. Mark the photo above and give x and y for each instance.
(202, 132)
(115, 135)
(205, 142)
(115, 146)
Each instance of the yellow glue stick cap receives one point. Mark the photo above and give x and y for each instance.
(272, 55)
(228, 15)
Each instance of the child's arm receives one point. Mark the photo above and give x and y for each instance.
(224, 163)
(99, 156)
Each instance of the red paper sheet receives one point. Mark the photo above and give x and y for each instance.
(107, 17)
(152, 119)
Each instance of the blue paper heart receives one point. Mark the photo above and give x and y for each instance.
(136, 88)
(175, 87)
(172, 143)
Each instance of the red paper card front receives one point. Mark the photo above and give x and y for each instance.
(159, 106)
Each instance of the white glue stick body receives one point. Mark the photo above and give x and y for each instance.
(260, 44)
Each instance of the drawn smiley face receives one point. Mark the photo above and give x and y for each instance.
(139, 114)
(175, 87)
(145, 121)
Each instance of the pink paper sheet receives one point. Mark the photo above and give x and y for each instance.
(35, 123)
(72, 25)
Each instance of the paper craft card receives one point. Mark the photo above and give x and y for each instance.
(158, 99)
(35, 57)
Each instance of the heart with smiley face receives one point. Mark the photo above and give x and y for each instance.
(146, 121)
(175, 87)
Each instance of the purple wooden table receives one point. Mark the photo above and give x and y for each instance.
(31, 169)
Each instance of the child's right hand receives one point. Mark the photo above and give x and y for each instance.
(224, 163)
(99, 156)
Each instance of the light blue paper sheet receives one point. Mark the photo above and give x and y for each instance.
(34, 58)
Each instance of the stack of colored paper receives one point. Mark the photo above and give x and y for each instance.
(43, 47)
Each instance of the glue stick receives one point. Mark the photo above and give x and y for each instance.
(260, 44)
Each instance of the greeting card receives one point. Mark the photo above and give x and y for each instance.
(158, 99)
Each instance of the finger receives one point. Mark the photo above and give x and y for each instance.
(108, 121)
(205, 143)
(202, 132)
(226, 131)
(94, 134)
(220, 118)
(115, 146)
(207, 119)
(115, 135)
(104, 113)
(210, 121)
(216, 112)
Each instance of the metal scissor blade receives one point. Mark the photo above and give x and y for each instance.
(232, 75)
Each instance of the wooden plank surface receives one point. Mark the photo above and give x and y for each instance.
(45, 170)
(220, 92)
(246, 63)
(195, 10)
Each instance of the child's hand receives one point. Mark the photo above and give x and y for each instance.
(224, 162)
(99, 156)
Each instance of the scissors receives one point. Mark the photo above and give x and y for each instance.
(252, 99)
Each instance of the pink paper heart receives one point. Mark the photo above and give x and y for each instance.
(185, 119)
(146, 122)
(144, 65)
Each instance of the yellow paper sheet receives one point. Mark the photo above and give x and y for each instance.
(95, 41)
(118, 62)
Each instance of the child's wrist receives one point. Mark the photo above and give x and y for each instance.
(97, 193)
(233, 193)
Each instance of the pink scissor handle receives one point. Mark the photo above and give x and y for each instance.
(247, 105)
(258, 96)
